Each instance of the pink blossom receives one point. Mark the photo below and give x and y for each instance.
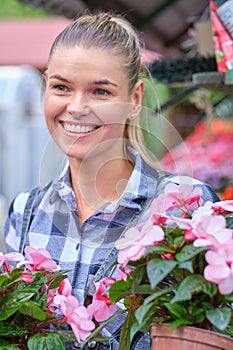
(134, 244)
(211, 231)
(101, 307)
(77, 316)
(190, 224)
(183, 196)
(223, 206)
(14, 256)
(123, 272)
(65, 288)
(158, 208)
(39, 259)
(220, 268)
(50, 300)
(27, 278)
(108, 281)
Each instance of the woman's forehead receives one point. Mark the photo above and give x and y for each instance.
(90, 59)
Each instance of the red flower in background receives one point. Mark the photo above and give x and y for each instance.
(209, 149)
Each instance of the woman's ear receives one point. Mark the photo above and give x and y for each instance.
(138, 92)
(45, 76)
(136, 99)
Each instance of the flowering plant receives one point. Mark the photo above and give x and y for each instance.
(175, 268)
(209, 150)
(28, 309)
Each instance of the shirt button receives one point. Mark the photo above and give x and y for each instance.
(92, 345)
(76, 345)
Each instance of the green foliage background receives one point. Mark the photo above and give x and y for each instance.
(16, 9)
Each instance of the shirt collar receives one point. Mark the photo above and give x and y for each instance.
(141, 185)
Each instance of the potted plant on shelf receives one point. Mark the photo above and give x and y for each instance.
(176, 272)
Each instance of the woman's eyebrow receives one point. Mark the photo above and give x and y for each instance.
(104, 82)
(59, 77)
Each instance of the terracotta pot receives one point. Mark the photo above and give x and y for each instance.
(188, 338)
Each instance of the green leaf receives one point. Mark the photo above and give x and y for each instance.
(158, 293)
(220, 318)
(158, 269)
(46, 341)
(32, 310)
(3, 279)
(180, 322)
(9, 347)
(176, 310)
(8, 330)
(134, 329)
(143, 315)
(188, 252)
(191, 284)
(119, 290)
(178, 240)
(187, 265)
(210, 289)
(142, 311)
(229, 297)
(12, 302)
(229, 222)
(58, 278)
(158, 249)
(228, 331)
(137, 277)
(142, 289)
(125, 342)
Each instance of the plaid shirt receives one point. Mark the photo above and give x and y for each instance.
(82, 250)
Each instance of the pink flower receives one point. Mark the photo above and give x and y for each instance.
(220, 268)
(101, 307)
(39, 259)
(123, 272)
(65, 288)
(158, 208)
(50, 300)
(134, 244)
(27, 278)
(223, 206)
(183, 196)
(14, 256)
(77, 316)
(211, 231)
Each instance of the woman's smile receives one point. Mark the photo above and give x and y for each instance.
(77, 129)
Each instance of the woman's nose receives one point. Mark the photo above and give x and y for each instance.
(77, 104)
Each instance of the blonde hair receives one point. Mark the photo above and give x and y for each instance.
(113, 33)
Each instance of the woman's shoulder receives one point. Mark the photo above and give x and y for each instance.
(19, 203)
(207, 190)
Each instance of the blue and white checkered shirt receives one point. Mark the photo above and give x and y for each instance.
(82, 250)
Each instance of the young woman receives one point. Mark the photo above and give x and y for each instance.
(92, 108)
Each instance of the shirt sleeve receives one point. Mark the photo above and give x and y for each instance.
(13, 224)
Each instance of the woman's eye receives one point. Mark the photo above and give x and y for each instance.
(102, 92)
(61, 88)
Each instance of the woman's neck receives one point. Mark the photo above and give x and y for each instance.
(94, 184)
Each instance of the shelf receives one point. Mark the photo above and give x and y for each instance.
(215, 81)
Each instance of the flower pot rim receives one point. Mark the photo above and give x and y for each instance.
(192, 334)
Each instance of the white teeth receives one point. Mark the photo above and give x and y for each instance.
(79, 129)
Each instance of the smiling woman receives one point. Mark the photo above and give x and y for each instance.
(92, 108)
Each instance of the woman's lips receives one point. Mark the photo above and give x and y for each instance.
(79, 129)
